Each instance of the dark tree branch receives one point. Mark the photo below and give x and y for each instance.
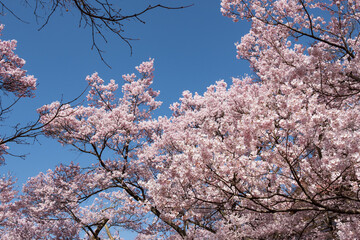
(100, 15)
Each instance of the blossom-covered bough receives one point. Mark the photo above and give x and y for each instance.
(114, 131)
(274, 156)
(13, 81)
(15, 85)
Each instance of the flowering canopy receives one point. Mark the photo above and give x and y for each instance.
(273, 156)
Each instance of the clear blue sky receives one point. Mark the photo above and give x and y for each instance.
(192, 48)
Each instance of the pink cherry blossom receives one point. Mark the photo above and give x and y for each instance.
(12, 77)
(270, 156)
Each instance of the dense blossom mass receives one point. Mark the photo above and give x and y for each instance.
(272, 156)
(12, 77)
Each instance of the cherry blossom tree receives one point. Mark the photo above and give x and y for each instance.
(272, 156)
